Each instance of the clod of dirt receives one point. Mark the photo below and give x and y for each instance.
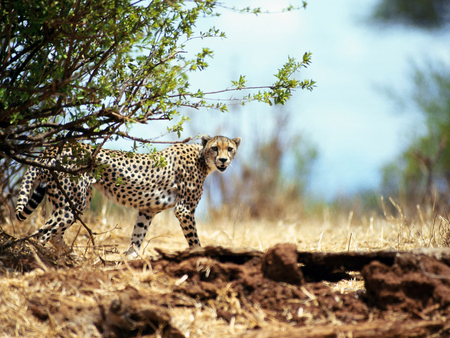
(280, 264)
(415, 284)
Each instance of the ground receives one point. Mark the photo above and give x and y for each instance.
(264, 285)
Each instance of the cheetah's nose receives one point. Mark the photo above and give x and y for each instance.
(223, 160)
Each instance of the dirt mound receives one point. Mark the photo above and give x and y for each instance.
(273, 281)
(415, 284)
(194, 292)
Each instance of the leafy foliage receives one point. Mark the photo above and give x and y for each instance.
(80, 70)
(87, 70)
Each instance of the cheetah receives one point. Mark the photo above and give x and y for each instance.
(131, 180)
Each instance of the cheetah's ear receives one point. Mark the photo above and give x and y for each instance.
(237, 140)
(205, 139)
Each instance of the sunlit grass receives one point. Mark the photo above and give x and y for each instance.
(235, 228)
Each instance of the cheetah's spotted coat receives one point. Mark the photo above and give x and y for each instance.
(151, 190)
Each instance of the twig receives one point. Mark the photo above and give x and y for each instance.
(349, 241)
(105, 232)
(138, 139)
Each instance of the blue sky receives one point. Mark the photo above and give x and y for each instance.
(349, 116)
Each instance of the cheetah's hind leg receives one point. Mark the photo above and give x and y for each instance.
(53, 230)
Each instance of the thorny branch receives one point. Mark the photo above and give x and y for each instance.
(153, 140)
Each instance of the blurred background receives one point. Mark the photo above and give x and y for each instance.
(375, 125)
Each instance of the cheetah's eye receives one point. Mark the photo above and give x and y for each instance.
(214, 148)
(230, 149)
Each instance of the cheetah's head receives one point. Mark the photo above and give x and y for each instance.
(219, 151)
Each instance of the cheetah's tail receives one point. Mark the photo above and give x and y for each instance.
(36, 198)
(25, 206)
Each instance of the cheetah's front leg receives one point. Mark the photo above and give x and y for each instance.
(143, 221)
(186, 217)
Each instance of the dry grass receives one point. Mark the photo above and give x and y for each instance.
(330, 233)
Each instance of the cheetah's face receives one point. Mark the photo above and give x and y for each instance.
(219, 151)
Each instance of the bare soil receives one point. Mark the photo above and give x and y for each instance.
(245, 293)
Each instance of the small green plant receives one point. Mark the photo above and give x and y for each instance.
(98, 172)
(159, 161)
(119, 181)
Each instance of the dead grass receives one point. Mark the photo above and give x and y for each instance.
(331, 233)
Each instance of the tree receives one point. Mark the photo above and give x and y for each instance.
(75, 70)
(425, 166)
(429, 14)
(272, 181)
(423, 169)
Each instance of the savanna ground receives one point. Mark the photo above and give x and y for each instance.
(240, 285)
